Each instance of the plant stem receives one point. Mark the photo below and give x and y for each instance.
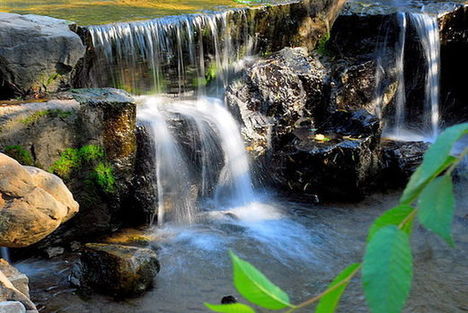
(318, 297)
(455, 164)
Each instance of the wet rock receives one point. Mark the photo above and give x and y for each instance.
(144, 185)
(355, 83)
(338, 161)
(228, 300)
(118, 270)
(52, 252)
(454, 64)
(12, 307)
(37, 54)
(400, 160)
(33, 204)
(274, 95)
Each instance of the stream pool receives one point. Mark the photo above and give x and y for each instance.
(299, 247)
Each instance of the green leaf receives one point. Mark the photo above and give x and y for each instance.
(437, 207)
(256, 288)
(395, 217)
(387, 270)
(436, 160)
(230, 308)
(329, 302)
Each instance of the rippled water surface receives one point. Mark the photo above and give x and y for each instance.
(300, 247)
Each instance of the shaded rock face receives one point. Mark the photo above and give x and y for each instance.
(341, 166)
(275, 94)
(298, 139)
(37, 54)
(400, 160)
(88, 138)
(14, 290)
(33, 203)
(118, 270)
(454, 65)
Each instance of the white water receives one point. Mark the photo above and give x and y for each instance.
(427, 28)
(174, 53)
(218, 133)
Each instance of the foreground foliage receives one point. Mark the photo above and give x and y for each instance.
(387, 267)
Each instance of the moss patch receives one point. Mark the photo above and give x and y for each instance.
(89, 160)
(52, 113)
(20, 154)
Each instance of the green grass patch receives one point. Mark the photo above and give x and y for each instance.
(52, 113)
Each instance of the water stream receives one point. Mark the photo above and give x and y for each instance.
(427, 29)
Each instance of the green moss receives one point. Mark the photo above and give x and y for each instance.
(89, 160)
(20, 154)
(322, 48)
(69, 161)
(91, 153)
(103, 176)
(211, 72)
(52, 113)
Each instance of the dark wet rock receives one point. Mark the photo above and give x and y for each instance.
(355, 85)
(118, 270)
(52, 134)
(144, 184)
(229, 300)
(338, 161)
(37, 54)
(400, 160)
(454, 64)
(274, 95)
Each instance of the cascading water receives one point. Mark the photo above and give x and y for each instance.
(428, 30)
(173, 54)
(218, 134)
(426, 27)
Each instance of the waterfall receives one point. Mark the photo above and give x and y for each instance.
(428, 31)
(178, 180)
(400, 60)
(173, 54)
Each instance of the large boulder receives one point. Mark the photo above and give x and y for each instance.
(86, 137)
(33, 203)
(118, 270)
(37, 54)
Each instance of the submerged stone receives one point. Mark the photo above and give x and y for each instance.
(118, 270)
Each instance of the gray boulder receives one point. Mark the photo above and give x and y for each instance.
(37, 54)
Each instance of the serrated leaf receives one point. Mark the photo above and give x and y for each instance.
(329, 302)
(230, 308)
(387, 270)
(256, 287)
(395, 217)
(436, 160)
(437, 207)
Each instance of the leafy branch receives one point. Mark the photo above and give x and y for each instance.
(387, 267)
